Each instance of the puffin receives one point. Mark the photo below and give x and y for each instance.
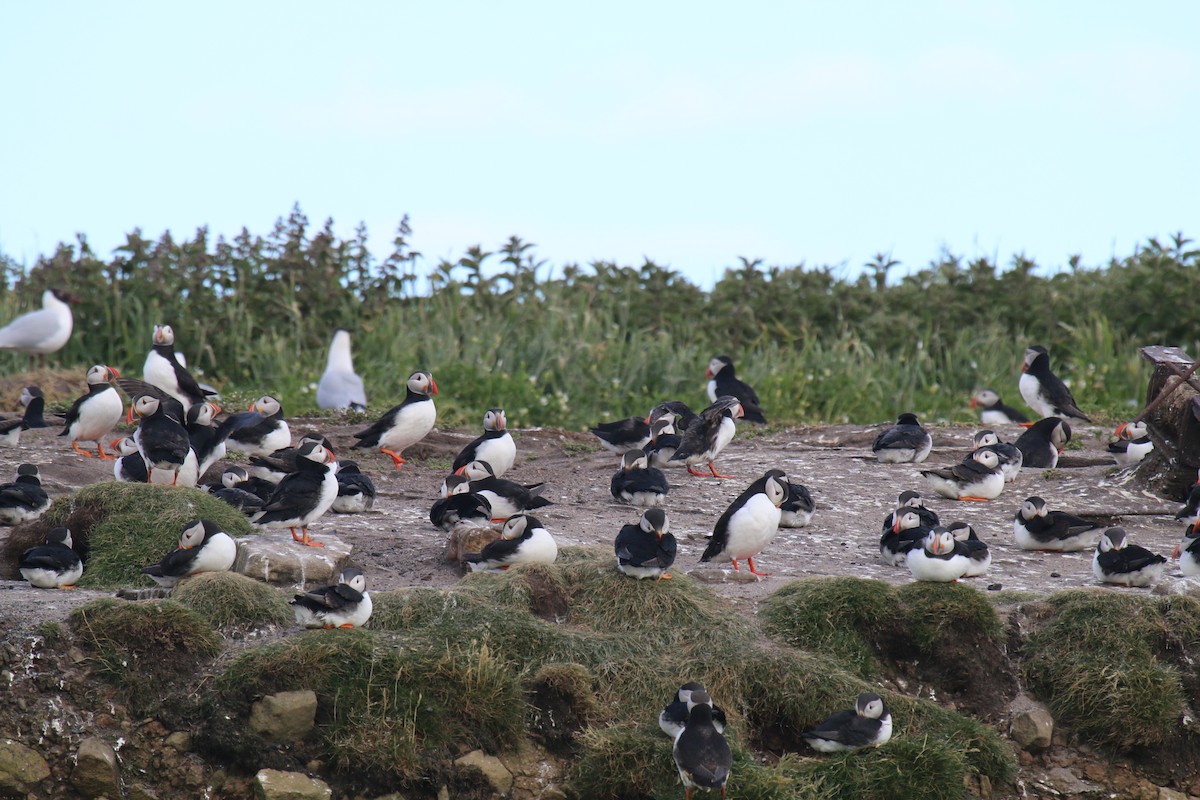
(281, 463)
(161, 439)
(646, 550)
(94, 415)
(750, 522)
(905, 442)
(1188, 553)
(260, 431)
(674, 716)
(504, 496)
(1119, 562)
(523, 540)
(1036, 527)
(356, 491)
(1190, 512)
(346, 604)
(34, 404)
(203, 547)
(24, 499)
(495, 446)
(976, 478)
(163, 369)
(702, 755)
(129, 466)
(1043, 442)
(1043, 391)
(993, 411)
(406, 424)
(43, 331)
(910, 500)
(53, 565)
(968, 543)
(1132, 445)
(462, 507)
(907, 533)
(340, 388)
(937, 560)
(677, 411)
(231, 490)
(723, 382)
(637, 483)
(705, 438)
(622, 435)
(664, 441)
(798, 507)
(1010, 456)
(303, 496)
(869, 724)
(206, 439)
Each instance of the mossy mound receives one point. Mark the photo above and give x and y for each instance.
(1118, 668)
(943, 634)
(121, 527)
(615, 653)
(142, 648)
(229, 601)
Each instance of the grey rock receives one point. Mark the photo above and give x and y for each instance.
(96, 773)
(273, 784)
(1032, 729)
(21, 768)
(492, 768)
(718, 575)
(285, 717)
(1170, 794)
(273, 557)
(1188, 587)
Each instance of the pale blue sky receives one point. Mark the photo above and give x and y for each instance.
(691, 133)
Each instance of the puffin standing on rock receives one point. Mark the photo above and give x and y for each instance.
(750, 522)
(95, 414)
(723, 382)
(34, 404)
(161, 438)
(406, 424)
(303, 496)
(1044, 391)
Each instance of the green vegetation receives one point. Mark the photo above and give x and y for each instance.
(612, 340)
(228, 600)
(1116, 667)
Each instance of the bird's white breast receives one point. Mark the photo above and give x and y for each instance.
(752, 527)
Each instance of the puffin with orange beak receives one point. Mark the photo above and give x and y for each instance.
(1044, 391)
(937, 560)
(164, 370)
(303, 496)
(707, 436)
(95, 414)
(1132, 445)
(646, 550)
(161, 439)
(260, 431)
(203, 547)
(406, 424)
(495, 446)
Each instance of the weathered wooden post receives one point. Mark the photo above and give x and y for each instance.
(1172, 415)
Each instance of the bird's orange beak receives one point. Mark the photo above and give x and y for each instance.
(708, 372)
(1120, 429)
(115, 443)
(432, 386)
(1024, 366)
(974, 403)
(116, 372)
(216, 409)
(460, 470)
(129, 416)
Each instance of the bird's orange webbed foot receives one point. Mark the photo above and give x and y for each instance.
(397, 459)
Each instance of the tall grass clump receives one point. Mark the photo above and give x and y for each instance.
(610, 339)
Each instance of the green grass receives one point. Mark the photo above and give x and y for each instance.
(229, 601)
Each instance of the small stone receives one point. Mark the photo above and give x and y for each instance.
(995, 587)
(492, 768)
(467, 537)
(180, 741)
(1032, 729)
(21, 768)
(273, 784)
(443, 793)
(1170, 794)
(140, 791)
(1055, 574)
(95, 772)
(273, 557)
(286, 716)
(1188, 587)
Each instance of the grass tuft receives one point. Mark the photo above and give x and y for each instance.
(228, 601)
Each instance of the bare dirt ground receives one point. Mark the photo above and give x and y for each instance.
(397, 546)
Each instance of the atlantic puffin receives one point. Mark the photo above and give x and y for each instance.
(968, 543)
(723, 382)
(1043, 442)
(674, 716)
(1132, 445)
(702, 755)
(447, 512)
(505, 497)
(304, 496)
(705, 438)
(163, 369)
(34, 404)
(993, 411)
(406, 424)
(1119, 562)
(203, 547)
(231, 490)
(259, 431)
(523, 540)
(162, 440)
(1190, 513)
(495, 446)
(937, 560)
(94, 415)
(207, 440)
(346, 604)
(236, 476)
(976, 478)
(53, 565)
(129, 466)
(798, 507)
(646, 550)
(1043, 391)
(910, 500)
(869, 724)
(1010, 456)
(676, 410)
(24, 499)
(905, 442)
(283, 462)
(907, 533)
(622, 435)
(1036, 527)
(43, 331)
(637, 483)
(356, 491)
(340, 388)
(750, 522)
(1188, 553)
(664, 441)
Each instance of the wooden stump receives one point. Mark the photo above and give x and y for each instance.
(1172, 415)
